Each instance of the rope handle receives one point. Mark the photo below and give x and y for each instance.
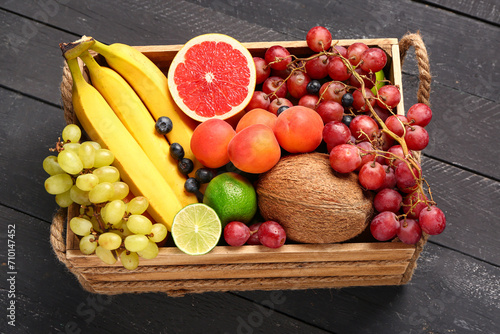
(415, 40)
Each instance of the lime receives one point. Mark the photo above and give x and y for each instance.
(232, 196)
(379, 79)
(196, 229)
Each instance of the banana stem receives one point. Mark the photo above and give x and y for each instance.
(74, 68)
(100, 48)
(89, 61)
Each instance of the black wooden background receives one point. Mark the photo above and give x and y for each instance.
(456, 287)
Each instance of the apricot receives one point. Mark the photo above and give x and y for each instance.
(209, 142)
(299, 129)
(256, 116)
(254, 149)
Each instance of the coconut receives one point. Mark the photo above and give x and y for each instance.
(312, 202)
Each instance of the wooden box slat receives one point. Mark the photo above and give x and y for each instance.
(293, 266)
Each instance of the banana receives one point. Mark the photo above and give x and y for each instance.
(103, 126)
(139, 122)
(152, 87)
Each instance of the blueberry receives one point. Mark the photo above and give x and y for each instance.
(281, 109)
(204, 175)
(347, 100)
(313, 87)
(347, 120)
(192, 185)
(176, 151)
(163, 125)
(185, 165)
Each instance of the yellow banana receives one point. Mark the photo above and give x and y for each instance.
(104, 127)
(152, 87)
(139, 122)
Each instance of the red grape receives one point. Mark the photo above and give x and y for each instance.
(359, 102)
(283, 74)
(340, 50)
(413, 204)
(409, 231)
(368, 78)
(318, 39)
(366, 151)
(345, 158)
(271, 234)
(383, 140)
(332, 90)
(317, 68)
(236, 233)
(384, 226)
(309, 100)
(277, 103)
(354, 52)
(390, 96)
(388, 200)
(254, 236)
(395, 156)
(382, 112)
(262, 70)
(276, 85)
(363, 127)
(432, 220)
(297, 84)
(337, 70)
(330, 111)
(406, 181)
(258, 100)
(273, 55)
(390, 178)
(416, 137)
(371, 176)
(419, 114)
(373, 60)
(395, 125)
(336, 133)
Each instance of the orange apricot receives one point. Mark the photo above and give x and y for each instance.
(209, 142)
(256, 116)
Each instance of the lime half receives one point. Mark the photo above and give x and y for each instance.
(196, 229)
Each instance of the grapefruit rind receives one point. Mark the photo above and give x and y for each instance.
(212, 76)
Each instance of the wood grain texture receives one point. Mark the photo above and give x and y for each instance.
(487, 10)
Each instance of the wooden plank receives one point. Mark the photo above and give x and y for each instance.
(487, 10)
(170, 256)
(449, 293)
(49, 298)
(261, 270)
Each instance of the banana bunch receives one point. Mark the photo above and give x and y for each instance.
(119, 111)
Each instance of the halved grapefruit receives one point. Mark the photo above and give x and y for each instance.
(212, 76)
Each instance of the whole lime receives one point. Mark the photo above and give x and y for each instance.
(233, 198)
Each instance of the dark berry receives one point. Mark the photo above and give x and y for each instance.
(313, 87)
(192, 185)
(204, 175)
(176, 151)
(347, 100)
(185, 165)
(281, 109)
(347, 120)
(163, 125)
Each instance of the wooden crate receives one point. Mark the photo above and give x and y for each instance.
(293, 266)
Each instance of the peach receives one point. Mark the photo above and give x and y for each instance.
(209, 142)
(299, 129)
(254, 149)
(256, 116)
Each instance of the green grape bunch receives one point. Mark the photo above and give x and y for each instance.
(108, 225)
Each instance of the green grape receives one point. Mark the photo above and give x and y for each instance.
(101, 193)
(103, 157)
(58, 184)
(70, 162)
(109, 240)
(159, 232)
(114, 212)
(51, 166)
(136, 242)
(75, 147)
(150, 252)
(125, 230)
(107, 174)
(64, 200)
(121, 190)
(88, 244)
(80, 226)
(139, 224)
(96, 145)
(86, 210)
(87, 182)
(71, 133)
(130, 260)
(86, 152)
(105, 255)
(95, 224)
(137, 205)
(79, 196)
